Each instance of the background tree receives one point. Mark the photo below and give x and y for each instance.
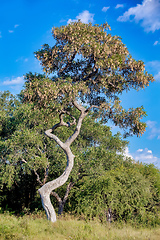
(90, 70)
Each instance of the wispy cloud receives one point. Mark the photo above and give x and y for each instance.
(119, 6)
(14, 81)
(154, 66)
(22, 59)
(15, 26)
(156, 43)
(157, 77)
(84, 16)
(148, 13)
(104, 9)
(154, 131)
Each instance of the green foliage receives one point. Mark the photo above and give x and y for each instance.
(130, 195)
(102, 177)
(8, 103)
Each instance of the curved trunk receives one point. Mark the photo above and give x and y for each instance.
(46, 189)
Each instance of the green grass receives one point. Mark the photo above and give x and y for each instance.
(36, 227)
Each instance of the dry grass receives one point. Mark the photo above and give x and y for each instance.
(67, 228)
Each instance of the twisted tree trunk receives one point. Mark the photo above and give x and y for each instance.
(47, 188)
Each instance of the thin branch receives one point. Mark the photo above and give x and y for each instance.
(68, 64)
(113, 85)
(92, 74)
(46, 174)
(79, 124)
(38, 178)
(70, 185)
(56, 196)
(92, 106)
(23, 160)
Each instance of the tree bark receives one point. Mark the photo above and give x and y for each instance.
(48, 187)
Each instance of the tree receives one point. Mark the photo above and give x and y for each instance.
(90, 69)
(27, 159)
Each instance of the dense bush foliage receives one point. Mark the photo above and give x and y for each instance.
(102, 177)
(130, 195)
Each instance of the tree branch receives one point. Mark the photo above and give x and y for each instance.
(54, 194)
(38, 178)
(46, 174)
(79, 124)
(70, 185)
(68, 64)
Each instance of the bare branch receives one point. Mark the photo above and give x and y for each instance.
(70, 185)
(68, 124)
(93, 106)
(78, 106)
(54, 194)
(51, 135)
(38, 178)
(23, 160)
(46, 174)
(79, 124)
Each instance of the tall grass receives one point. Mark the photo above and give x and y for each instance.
(67, 228)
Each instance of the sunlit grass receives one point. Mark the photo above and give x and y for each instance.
(67, 228)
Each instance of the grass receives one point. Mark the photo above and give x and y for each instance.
(36, 227)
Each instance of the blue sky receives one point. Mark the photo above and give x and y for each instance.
(26, 24)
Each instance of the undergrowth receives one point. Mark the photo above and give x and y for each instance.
(36, 227)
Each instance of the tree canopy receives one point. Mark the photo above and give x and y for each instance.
(89, 64)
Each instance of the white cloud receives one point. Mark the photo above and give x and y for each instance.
(144, 156)
(119, 6)
(104, 9)
(127, 153)
(156, 43)
(84, 16)
(140, 150)
(14, 81)
(154, 131)
(10, 31)
(148, 13)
